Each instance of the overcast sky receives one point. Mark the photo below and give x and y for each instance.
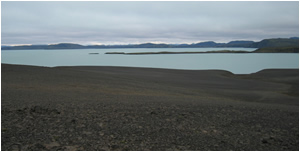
(140, 22)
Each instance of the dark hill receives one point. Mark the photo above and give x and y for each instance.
(279, 42)
(152, 45)
(52, 46)
(206, 44)
(239, 43)
(64, 46)
(277, 50)
(266, 43)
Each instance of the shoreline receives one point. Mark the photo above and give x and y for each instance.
(186, 52)
(161, 68)
(125, 108)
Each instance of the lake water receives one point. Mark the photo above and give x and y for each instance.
(235, 63)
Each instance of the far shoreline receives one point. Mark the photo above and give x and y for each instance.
(259, 50)
(185, 52)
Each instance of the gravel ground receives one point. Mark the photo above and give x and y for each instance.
(119, 108)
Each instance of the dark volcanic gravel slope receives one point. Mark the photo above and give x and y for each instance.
(119, 108)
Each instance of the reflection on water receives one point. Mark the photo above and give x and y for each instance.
(236, 63)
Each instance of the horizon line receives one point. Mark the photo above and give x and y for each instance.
(152, 42)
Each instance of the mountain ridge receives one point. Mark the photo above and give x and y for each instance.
(265, 43)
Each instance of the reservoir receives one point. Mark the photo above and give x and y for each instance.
(238, 63)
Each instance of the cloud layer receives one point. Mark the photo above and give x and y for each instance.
(139, 22)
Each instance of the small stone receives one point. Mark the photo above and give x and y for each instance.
(264, 141)
(114, 147)
(71, 148)
(204, 131)
(100, 124)
(112, 136)
(51, 145)
(153, 113)
(15, 147)
(38, 147)
(73, 121)
(87, 133)
(54, 111)
(101, 133)
(103, 148)
(36, 109)
(81, 126)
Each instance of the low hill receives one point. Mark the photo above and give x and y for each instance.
(277, 50)
(239, 43)
(64, 46)
(206, 44)
(52, 46)
(279, 42)
(152, 45)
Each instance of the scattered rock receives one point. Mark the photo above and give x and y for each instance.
(87, 132)
(101, 133)
(71, 148)
(41, 110)
(16, 147)
(100, 125)
(37, 147)
(153, 113)
(264, 141)
(52, 145)
(73, 121)
(37, 109)
(114, 147)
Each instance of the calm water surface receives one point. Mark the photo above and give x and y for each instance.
(235, 63)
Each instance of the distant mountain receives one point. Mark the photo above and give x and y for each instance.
(24, 47)
(206, 44)
(65, 46)
(52, 46)
(239, 43)
(266, 43)
(5, 46)
(279, 42)
(152, 45)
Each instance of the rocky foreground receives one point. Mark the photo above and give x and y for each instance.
(119, 108)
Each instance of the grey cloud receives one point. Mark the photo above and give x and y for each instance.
(127, 22)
